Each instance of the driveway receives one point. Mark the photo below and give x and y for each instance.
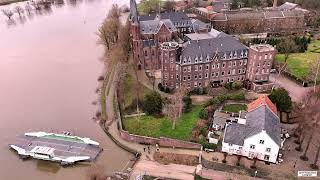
(296, 91)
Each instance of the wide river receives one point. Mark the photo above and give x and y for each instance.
(49, 65)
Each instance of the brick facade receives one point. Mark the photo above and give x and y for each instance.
(201, 60)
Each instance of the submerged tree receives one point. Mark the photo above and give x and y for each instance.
(8, 13)
(19, 10)
(28, 8)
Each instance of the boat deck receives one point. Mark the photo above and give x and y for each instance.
(62, 148)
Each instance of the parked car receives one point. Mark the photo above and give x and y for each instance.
(273, 70)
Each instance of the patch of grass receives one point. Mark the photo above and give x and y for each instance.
(234, 107)
(299, 64)
(162, 127)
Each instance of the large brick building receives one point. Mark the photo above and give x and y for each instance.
(149, 31)
(287, 18)
(188, 54)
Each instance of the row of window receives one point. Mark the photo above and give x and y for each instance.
(208, 58)
(265, 56)
(254, 146)
(213, 66)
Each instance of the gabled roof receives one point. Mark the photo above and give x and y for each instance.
(262, 100)
(177, 18)
(198, 25)
(153, 26)
(262, 118)
(236, 133)
(219, 46)
(258, 120)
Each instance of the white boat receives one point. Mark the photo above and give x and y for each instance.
(63, 148)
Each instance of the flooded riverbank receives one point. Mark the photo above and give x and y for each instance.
(49, 65)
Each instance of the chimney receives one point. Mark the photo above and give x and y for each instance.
(275, 3)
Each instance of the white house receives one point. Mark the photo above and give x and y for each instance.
(259, 137)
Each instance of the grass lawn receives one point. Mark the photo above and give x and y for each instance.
(234, 107)
(157, 127)
(299, 64)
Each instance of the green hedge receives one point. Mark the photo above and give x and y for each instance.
(218, 100)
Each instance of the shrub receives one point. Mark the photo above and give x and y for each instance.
(228, 85)
(208, 145)
(198, 91)
(237, 85)
(203, 114)
(218, 100)
(203, 131)
(153, 103)
(160, 87)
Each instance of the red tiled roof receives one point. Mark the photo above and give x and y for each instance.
(210, 8)
(262, 100)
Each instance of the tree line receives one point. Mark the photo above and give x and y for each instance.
(28, 8)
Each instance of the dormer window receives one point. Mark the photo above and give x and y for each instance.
(235, 54)
(246, 54)
(189, 59)
(208, 58)
(196, 59)
(241, 55)
(184, 60)
(230, 56)
(201, 58)
(224, 56)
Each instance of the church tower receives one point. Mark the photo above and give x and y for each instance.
(136, 36)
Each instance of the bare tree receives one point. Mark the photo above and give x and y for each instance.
(28, 8)
(304, 157)
(314, 164)
(104, 35)
(19, 10)
(301, 139)
(114, 12)
(175, 108)
(8, 13)
(238, 160)
(224, 157)
(254, 164)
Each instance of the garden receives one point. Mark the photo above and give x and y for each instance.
(234, 108)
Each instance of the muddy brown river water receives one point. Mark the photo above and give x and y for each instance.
(49, 64)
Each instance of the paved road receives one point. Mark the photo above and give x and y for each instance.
(296, 91)
(156, 169)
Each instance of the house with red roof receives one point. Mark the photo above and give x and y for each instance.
(259, 137)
